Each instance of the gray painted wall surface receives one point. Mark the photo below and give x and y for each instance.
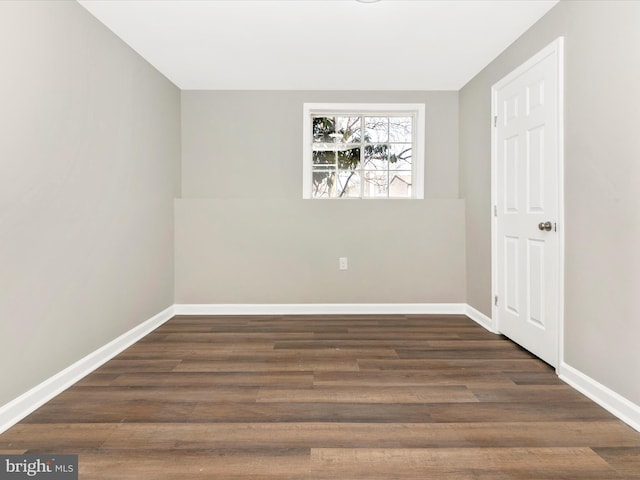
(244, 234)
(602, 174)
(89, 165)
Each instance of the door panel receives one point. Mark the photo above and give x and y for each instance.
(511, 163)
(535, 170)
(512, 275)
(536, 279)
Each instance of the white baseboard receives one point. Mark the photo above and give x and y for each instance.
(17, 409)
(480, 318)
(615, 403)
(321, 309)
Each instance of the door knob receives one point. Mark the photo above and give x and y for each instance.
(545, 226)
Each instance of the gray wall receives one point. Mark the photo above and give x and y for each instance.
(89, 167)
(602, 175)
(244, 234)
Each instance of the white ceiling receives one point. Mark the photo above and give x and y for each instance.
(319, 44)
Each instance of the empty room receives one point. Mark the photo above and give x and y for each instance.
(320, 239)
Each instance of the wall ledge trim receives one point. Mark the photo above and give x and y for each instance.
(624, 409)
(321, 309)
(14, 411)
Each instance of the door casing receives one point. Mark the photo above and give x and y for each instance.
(556, 48)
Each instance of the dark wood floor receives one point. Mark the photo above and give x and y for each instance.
(328, 397)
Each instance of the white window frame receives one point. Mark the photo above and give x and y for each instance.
(416, 110)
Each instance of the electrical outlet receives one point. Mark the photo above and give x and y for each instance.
(343, 263)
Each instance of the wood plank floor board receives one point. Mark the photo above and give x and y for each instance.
(116, 365)
(328, 397)
(243, 338)
(496, 463)
(522, 411)
(308, 364)
(56, 436)
(455, 353)
(160, 436)
(624, 460)
(380, 337)
(415, 377)
(370, 394)
(215, 380)
(261, 354)
(312, 412)
(168, 394)
(522, 370)
(158, 350)
(151, 465)
(97, 379)
(528, 393)
(113, 410)
(534, 378)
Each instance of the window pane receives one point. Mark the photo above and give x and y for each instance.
(376, 129)
(323, 183)
(376, 184)
(400, 129)
(349, 158)
(400, 184)
(348, 185)
(400, 156)
(349, 127)
(324, 157)
(336, 129)
(376, 157)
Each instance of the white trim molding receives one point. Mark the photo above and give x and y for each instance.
(624, 409)
(480, 318)
(322, 309)
(14, 411)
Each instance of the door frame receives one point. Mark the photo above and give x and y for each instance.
(554, 48)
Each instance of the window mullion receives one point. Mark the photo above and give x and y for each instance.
(361, 166)
(388, 155)
(414, 150)
(336, 169)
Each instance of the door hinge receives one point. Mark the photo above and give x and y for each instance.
(495, 300)
(495, 120)
(495, 210)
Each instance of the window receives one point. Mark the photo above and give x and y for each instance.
(363, 150)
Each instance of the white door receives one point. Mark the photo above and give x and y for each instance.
(527, 188)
